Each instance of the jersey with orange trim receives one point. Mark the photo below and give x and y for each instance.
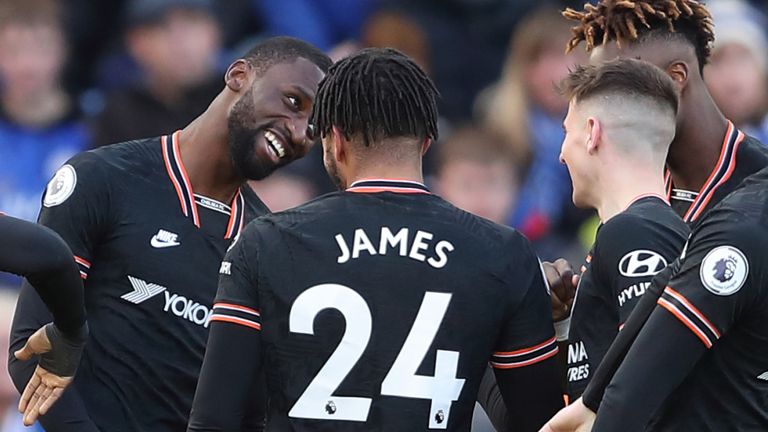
(149, 250)
(740, 157)
(704, 350)
(378, 308)
(629, 250)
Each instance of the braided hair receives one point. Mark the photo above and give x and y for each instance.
(375, 94)
(627, 21)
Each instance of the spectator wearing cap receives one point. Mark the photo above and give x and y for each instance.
(737, 75)
(176, 44)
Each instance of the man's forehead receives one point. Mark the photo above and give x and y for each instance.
(297, 71)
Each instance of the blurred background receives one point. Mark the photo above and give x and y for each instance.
(78, 74)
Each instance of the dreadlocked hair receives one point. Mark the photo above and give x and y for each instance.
(632, 20)
(375, 94)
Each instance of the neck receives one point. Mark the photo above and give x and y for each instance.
(696, 147)
(204, 148)
(386, 171)
(38, 109)
(622, 184)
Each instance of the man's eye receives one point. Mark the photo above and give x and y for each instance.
(294, 102)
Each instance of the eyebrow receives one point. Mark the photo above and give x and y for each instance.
(304, 92)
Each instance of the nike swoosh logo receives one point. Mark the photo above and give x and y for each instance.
(162, 244)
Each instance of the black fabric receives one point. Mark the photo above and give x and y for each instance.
(497, 309)
(37, 253)
(150, 276)
(629, 250)
(66, 350)
(703, 350)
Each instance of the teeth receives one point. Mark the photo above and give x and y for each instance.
(273, 141)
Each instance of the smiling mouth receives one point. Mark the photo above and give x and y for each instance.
(274, 144)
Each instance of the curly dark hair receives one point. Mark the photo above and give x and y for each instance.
(631, 21)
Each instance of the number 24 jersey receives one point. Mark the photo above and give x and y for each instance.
(380, 311)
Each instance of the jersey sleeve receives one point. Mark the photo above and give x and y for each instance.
(37, 253)
(227, 396)
(720, 276)
(237, 300)
(528, 335)
(524, 360)
(629, 252)
(76, 205)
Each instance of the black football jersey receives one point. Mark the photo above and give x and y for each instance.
(378, 308)
(740, 157)
(630, 248)
(149, 252)
(719, 291)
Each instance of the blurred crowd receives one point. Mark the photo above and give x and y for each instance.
(78, 74)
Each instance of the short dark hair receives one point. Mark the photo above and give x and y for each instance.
(377, 93)
(284, 49)
(625, 76)
(638, 21)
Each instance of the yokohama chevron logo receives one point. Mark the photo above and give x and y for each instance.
(142, 291)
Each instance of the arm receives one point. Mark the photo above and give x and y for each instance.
(69, 413)
(559, 276)
(639, 387)
(693, 311)
(233, 354)
(525, 362)
(41, 256)
(75, 206)
(232, 359)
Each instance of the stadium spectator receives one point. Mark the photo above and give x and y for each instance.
(40, 125)
(175, 43)
(737, 75)
(327, 24)
(464, 40)
(476, 172)
(525, 108)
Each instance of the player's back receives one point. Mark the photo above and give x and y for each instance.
(380, 311)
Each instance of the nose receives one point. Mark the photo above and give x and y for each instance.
(562, 158)
(301, 135)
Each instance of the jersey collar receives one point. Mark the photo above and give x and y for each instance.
(388, 185)
(719, 175)
(180, 180)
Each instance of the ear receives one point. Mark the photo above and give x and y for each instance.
(236, 77)
(679, 71)
(425, 146)
(340, 145)
(595, 135)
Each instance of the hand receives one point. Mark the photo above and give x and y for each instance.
(576, 417)
(44, 388)
(562, 283)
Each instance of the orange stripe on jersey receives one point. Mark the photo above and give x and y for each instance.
(83, 275)
(176, 184)
(525, 350)
(726, 176)
(82, 261)
(687, 322)
(679, 297)
(534, 360)
(184, 175)
(235, 320)
(718, 165)
(237, 307)
(372, 189)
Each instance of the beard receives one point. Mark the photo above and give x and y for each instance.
(242, 141)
